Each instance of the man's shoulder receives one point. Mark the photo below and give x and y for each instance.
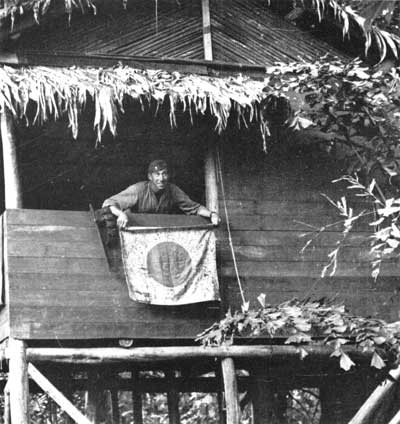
(174, 188)
(141, 185)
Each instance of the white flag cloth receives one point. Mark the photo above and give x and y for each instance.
(170, 266)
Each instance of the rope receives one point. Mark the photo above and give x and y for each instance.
(245, 304)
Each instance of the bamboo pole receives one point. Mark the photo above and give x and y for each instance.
(55, 394)
(172, 399)
(136, 399)
(211, 184)
(6, 415)
(12, 186)
(377, 396)
(231, 391)
(169, 353)
(207, 41)
(18, 380)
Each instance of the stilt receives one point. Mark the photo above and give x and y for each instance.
(136, 400)
(173, 399)
(18, 382)
(231, 391)
(220, 394)
(52, 411)
(262, 393)
(6, 416)
(95, 400)
(115, 406)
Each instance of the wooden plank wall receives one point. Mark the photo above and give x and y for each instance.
(271, 201)
(60, 286)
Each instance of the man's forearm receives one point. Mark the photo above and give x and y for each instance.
(204, 212)
(211, 215)
(122, 217)
(115, 210)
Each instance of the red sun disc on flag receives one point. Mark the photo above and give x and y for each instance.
(169, 264)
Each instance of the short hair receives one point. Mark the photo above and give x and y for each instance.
(157, 165)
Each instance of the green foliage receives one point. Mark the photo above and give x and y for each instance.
(383, 214)
(369, 17)
(310, 322)
(354, 108)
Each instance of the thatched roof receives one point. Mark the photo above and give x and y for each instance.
(57, 91)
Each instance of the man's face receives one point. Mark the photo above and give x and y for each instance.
(159, 179)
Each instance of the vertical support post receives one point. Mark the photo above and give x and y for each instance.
(115, 406)
(268, 405)
(173, 399)
(220, 395)
(52, 411)
(12, 185)
(18, 381)
(95, 401)
(136, 399)
(207, 41)
(7, 416)
(231, 391)
(211, 186)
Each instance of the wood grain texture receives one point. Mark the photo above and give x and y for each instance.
(274, 203)
(42, 217)
(60, 286)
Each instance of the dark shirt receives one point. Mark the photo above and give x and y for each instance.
(141, 198)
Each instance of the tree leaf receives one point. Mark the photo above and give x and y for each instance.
(345, 362)
(377, 361)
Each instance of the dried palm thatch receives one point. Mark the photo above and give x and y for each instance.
(60, 91)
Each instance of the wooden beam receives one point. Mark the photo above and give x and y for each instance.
(7, 412)
(220, 394)
(18, 381)
(211, 185)
(170, 353)
(231, 391)
(136, 399)
(376, 397)
(55, 394)
(207, 41)
(172, 399)
(12, 185)
(115, 406)
(65, 58)
(95, 399)
(262, 397)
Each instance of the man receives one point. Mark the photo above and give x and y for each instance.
(157, 195)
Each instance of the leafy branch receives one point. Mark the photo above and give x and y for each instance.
(310, 322)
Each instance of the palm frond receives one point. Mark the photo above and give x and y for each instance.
(363, 18)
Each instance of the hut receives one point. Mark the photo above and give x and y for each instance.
(65, 307)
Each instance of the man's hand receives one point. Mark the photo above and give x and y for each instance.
(122, 219)
(215, 219)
